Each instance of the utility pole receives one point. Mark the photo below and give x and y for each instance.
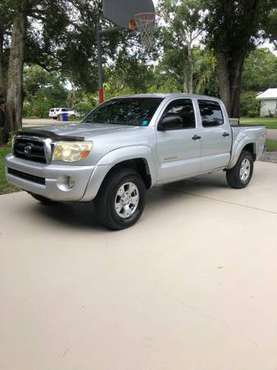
(101, 95)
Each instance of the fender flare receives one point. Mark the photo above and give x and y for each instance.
(113, 158)
(237, 150)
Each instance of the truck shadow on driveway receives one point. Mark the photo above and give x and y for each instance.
(82, 215)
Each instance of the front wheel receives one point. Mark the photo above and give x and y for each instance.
(239, 176)
(120, 201)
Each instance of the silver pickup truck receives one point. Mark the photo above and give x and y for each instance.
(128, 145)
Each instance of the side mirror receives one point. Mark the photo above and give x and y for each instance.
(171, 122)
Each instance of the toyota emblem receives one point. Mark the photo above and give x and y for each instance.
(28, 150)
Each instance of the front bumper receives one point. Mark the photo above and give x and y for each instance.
(57, 182)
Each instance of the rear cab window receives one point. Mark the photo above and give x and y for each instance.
(211, 113)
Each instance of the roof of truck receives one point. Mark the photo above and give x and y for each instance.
(169, 95)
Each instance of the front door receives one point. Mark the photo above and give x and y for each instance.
(178, 145)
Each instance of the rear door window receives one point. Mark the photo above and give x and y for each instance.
(211, 113)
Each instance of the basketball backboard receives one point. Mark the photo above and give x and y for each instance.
(121, 12)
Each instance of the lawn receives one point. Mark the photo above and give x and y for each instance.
(271, 145)
(268, 122)
(4, 186)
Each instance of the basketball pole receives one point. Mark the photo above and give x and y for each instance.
(101, 94)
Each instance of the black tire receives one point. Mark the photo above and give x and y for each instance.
(43, 200)
(233, 175)
(106, 198)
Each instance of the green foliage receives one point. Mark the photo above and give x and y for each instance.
(85, 102)
(128, 75)
(43, 90)
(249, 105)
(271, 26)
(205, 79)
(61, 39)
(260, 70)
(184, 25)
(234, 25)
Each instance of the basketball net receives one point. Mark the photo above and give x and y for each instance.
(145, 24)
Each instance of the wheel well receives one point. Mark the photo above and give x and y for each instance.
(138, 164)
(251, 149)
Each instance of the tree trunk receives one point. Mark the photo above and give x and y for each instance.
(229, 72)
(190, 69)
(2, 89)
(188, 72)
(239, 21)
(15, 73)
(223, 80)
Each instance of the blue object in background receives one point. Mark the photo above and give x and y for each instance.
(64, 117)
(145, 122)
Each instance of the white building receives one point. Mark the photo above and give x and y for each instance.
(268, 101)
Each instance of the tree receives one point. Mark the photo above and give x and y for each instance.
(271, 26)
(58, 36)
(5, 25)
(184, 25)
(42, 90)
(15, 69)
(260, 71)
(233, 29)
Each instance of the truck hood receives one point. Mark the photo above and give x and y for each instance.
(83, 131)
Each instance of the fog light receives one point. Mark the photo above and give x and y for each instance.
(65, 183)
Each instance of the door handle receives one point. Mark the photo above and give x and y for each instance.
(225, 134)
(196, 137)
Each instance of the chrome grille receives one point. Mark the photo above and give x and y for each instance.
(29, 148)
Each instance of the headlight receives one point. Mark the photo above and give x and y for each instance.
(71, 151)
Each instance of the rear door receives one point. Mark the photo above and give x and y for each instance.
(178, 148)
(216, 135)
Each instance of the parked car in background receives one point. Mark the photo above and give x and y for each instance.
(128, 145)
(56, 113)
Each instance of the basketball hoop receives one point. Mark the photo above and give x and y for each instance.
(145, 25)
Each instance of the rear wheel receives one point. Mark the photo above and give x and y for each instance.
(239, 176)
(43, 200)
(120, 201)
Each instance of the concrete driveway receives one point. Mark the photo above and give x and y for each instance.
(193, 286)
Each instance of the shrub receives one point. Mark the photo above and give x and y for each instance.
(249, 105)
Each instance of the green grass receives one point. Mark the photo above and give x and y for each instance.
(268, 122)
(271, 145)
(4, 186)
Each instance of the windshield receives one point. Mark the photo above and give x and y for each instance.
(125, 111)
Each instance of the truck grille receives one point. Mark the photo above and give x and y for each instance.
(29, 149)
